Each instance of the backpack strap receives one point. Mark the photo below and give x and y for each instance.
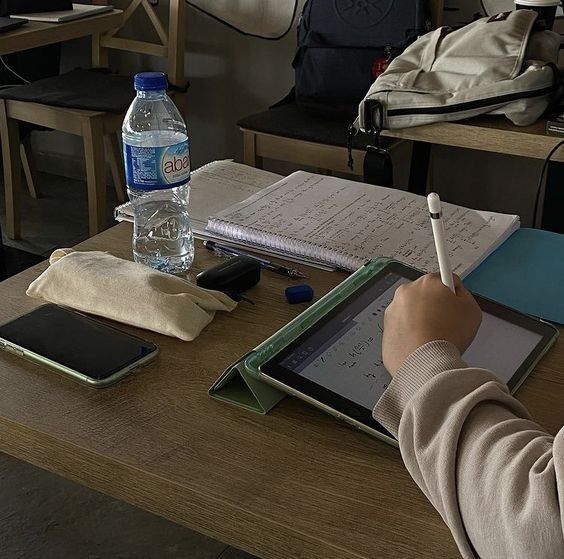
(378, 166)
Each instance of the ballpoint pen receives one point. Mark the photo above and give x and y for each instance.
(436, 212)
(223, 250)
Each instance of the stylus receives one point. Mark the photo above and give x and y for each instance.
(436, 212)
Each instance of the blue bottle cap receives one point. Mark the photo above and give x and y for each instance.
(299, 294)
(150, 81)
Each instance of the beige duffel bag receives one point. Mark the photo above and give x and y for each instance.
(497, 65)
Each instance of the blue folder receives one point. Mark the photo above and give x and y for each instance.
(525, 273)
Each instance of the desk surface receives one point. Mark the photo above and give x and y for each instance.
(295, 483)
(487, 133)
(37, 34)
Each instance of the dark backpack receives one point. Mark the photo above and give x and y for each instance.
(344, 45)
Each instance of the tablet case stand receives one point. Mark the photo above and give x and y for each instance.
(238, 386)
(240, 383)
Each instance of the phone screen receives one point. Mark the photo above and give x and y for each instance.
(76, 341)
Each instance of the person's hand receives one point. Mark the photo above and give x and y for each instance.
(425, 311)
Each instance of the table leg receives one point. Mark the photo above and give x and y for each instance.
(250, 156)
(115, 159)
(10, 133)
(553, 206)
(419, 173)
(3, 271)
(93, 135)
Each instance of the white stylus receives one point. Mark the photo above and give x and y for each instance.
(436, 211)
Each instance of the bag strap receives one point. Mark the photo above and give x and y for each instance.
(378, 166)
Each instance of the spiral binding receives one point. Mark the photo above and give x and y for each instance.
(284, 244)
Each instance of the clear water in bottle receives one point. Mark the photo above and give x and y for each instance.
(157, 162)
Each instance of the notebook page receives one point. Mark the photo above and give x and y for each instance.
(214, 187)
(346, 223)
(221, 184)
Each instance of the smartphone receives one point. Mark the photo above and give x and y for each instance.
(75, 345)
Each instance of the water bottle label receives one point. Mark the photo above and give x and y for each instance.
(157, 168)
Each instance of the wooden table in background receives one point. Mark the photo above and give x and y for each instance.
(294, 483)
(493, 134)
(38, 34)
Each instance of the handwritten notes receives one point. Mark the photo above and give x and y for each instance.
(221, 184)
(345, 223)
(352, 364)
(215, 187)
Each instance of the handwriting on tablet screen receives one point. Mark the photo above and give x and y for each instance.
(345, 355)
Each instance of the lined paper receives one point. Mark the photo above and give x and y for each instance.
(346, 223)
(214, 187)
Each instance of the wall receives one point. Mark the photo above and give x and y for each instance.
(233, 75)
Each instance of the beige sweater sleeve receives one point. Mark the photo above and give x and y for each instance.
(494, 475)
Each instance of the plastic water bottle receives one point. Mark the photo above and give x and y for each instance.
(157, 169)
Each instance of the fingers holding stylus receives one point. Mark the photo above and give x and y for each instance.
(425, 311)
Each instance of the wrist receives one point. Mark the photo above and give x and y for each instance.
(422, 365)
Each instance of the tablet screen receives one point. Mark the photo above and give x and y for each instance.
(342, 353)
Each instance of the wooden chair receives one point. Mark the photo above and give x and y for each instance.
(286, 134)
(28, 165)
(98, 129)
(3, 270)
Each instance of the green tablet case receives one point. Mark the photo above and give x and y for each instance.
(240, 384)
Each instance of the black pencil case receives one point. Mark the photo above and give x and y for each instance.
(234, 276)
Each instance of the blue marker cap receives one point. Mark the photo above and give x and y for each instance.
(299, 294)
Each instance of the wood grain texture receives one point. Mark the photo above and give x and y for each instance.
(10, 134)
(115, 159)
(38, 34)
(58, 118)
(437, 12)
(325, 157)
(28, 164)
(493, 134)
(176, 42)
(293, 484)
(94, 158)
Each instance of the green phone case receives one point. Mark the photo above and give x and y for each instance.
(240, 383)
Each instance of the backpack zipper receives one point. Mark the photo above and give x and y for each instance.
(461, 107)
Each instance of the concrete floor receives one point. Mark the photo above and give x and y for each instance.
(43, 516)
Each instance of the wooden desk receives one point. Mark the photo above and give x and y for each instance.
(295, 483)
(37, 34)
(493, 134)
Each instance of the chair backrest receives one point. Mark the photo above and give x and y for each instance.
(437, 12)
(170, 47)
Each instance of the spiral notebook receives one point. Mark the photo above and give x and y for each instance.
(344, 223)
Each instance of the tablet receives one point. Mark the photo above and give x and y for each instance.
(336, 363)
